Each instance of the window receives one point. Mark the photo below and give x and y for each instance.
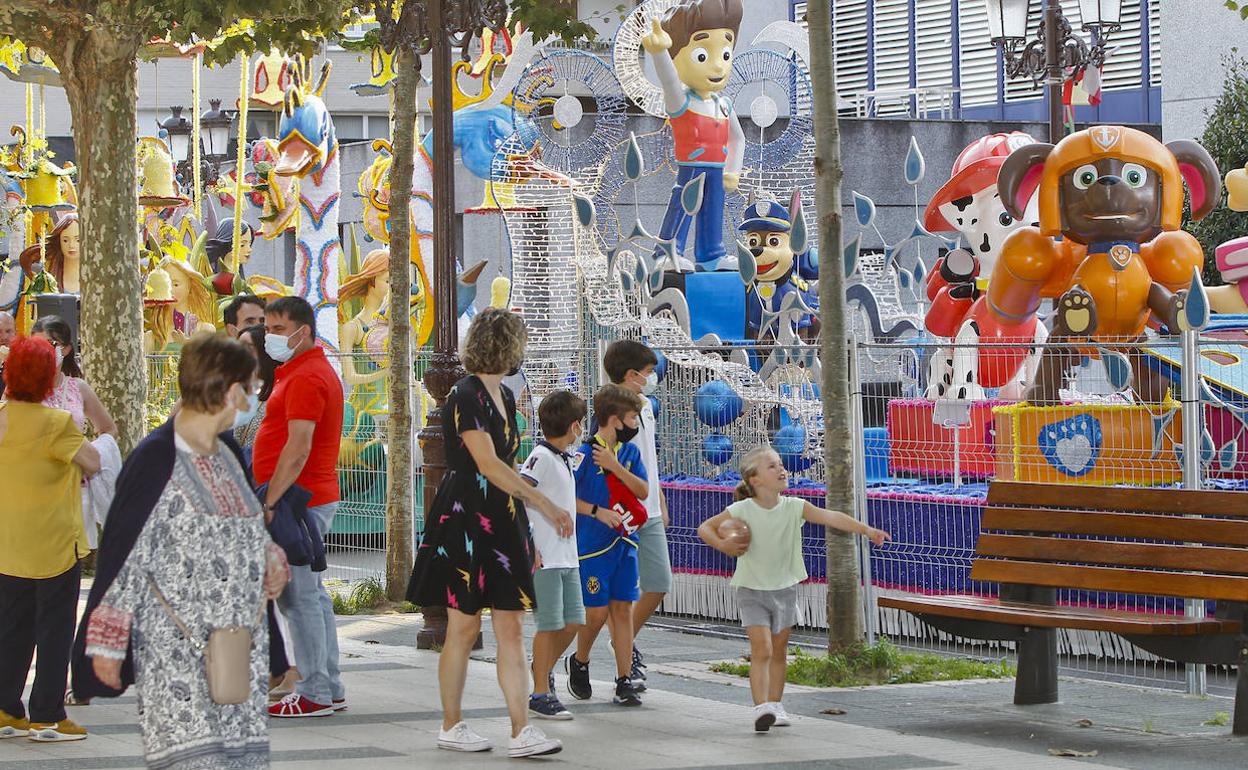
(979, 57)
(850, 47)
(1154, 43)
(348, 127)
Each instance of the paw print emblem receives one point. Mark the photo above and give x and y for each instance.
(1072, 446)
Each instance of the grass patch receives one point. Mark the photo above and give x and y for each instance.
(367, 597)
(880, 663)
(1220, 719)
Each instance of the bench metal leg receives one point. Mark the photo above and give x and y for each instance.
(1037, 668)
(1240, 724)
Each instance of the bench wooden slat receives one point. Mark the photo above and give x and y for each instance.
(1194, 502)
(995, 610)
(1212, 531)
(1183, 557)
(1131, 581)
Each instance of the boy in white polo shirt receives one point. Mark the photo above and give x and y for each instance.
(560, 610)
(631, 364)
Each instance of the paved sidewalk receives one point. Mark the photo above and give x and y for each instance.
(693, 718)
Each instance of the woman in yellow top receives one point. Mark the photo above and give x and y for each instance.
(41, 538)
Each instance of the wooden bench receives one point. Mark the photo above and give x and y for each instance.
(1037, 538)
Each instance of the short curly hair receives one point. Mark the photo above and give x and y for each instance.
(30, 371)
(495, 342)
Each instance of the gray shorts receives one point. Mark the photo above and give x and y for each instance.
(776, 610)
(653, 562)
(559, 601)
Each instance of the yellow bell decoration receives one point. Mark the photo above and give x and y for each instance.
(1237, 189)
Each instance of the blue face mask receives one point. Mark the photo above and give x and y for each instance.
(242, 418)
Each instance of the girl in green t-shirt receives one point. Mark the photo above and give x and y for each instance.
(769, 569)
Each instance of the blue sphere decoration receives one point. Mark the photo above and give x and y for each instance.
(654, 405)
(717, 404)
(790, 443)
(717, 449)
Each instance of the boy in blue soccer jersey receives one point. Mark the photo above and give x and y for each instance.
(610, 483)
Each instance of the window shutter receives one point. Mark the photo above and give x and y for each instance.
(933, 36)
(979, 57)
(850, 47)
(892, 52)
(1154, 43)
(1123, 69)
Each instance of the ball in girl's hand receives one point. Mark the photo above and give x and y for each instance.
(735, 531)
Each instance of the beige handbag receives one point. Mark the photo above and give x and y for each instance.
(227, 657)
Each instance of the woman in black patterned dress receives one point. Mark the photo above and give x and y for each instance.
(477, 551)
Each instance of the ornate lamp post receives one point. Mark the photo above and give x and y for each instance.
(1056, 49)
(214, 126)
(449, 23)
(179, 130)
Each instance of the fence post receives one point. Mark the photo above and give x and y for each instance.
(858, 431)
(1193, 430)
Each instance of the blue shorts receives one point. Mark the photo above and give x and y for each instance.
(611, 576)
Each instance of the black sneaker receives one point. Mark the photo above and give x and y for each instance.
(625, 693)
(578, 677)
(639, 668)
(548, 707)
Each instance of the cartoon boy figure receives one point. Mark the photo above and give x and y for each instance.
(692, 52)
(767, 230)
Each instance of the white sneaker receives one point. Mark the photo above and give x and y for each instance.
(532, 742)
(764, 717)
(782, 716)
(461, 737)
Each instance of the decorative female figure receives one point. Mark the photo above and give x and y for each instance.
(219, 247)
(372, 285)
(194, 310)
(61, 257)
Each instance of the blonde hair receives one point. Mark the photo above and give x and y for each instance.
(198, 297)
(749, 469)
(495, 342)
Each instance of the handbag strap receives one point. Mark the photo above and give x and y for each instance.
(160, 596)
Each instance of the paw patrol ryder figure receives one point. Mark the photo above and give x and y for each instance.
(692, 52)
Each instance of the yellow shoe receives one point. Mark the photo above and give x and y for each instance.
(52, 732)
(12, 727)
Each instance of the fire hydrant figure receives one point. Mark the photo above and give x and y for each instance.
(692, 52)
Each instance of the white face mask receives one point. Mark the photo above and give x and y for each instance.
(278, 347)
(652, 383)
(242, 418)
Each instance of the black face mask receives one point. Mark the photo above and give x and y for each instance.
(625, 434)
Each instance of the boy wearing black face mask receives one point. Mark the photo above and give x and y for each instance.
(610, 483)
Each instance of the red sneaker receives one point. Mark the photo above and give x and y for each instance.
(295, 705)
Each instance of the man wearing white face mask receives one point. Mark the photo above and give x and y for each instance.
(631, 364)
(298, 444)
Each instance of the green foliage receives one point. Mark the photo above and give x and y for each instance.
(1219, 719)
(1241, 8)
(879, 663)
(342, 606)
(546, 18)
(368, 594)
(1226, 139)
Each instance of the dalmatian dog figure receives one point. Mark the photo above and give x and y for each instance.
(969, 204)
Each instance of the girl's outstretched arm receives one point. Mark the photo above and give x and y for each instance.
(843, 522)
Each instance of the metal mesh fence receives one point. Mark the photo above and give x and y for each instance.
(922, 466)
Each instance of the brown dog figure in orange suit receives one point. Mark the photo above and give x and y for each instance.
(1109, 248)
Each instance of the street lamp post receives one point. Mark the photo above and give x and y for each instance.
(1056, 50)
(450, 22)
(178, 129)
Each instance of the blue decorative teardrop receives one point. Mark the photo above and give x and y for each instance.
(850, 256)
(584, 210)
(634, 164)
(915, 166)
(864, 209)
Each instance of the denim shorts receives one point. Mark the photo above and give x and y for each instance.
(559, 602)
(776, 609)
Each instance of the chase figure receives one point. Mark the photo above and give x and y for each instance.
(692, 52)
(767, 232)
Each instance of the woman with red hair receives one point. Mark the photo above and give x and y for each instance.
(41, 539)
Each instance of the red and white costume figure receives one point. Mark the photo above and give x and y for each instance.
(968, 204)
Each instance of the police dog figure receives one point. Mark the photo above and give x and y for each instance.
(767, 231)
(1108, 247)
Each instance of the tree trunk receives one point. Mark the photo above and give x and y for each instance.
(844, 587)
(399, 380)
(100, 82)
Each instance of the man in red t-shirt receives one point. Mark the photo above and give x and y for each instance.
(298, 444)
